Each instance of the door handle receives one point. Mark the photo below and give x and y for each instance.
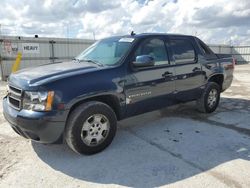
(196, 69)
(167, 74)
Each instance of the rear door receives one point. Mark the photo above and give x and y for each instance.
(189, 75)
(150, 88)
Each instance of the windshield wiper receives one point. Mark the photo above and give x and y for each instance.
(77, 60)
(88, 60)
(92, 61)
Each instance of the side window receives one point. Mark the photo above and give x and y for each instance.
(183, 51)
(154, 47)
(208, 53)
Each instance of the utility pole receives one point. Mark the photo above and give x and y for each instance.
(68, 41)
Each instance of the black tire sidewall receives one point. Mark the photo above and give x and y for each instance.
(210, 86)
(81, 115)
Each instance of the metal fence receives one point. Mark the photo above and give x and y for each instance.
(240, 53)
(38, 51)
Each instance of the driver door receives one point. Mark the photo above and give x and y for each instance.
(150, 88)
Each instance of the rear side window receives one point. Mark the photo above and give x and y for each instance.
(183, 51)
(205, 49)
(207, 52)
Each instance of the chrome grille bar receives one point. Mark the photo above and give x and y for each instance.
(15, 97)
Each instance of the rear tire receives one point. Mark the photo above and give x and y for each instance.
(210, 98)
(90, 128)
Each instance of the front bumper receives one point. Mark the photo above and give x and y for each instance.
(44, 127)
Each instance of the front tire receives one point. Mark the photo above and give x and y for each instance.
(210, 98)
(90, 128)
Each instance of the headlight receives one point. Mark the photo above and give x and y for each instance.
(38, 101)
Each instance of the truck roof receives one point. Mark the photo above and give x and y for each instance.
(142, 35)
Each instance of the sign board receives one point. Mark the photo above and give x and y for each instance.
(9, 48)
(14, 48)
(31, 48)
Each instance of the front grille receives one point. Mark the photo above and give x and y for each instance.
(15, 97)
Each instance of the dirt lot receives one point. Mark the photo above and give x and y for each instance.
(176, 147)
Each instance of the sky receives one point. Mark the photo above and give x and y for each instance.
(214, 21)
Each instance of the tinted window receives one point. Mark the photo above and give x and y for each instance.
(207, 52)
(183, 50)
(154, 47)
(205, 49)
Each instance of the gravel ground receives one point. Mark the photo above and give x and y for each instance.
(175, 147)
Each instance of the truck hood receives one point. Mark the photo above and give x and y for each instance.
(46, 73)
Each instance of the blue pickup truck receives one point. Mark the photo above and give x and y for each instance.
(81, 100)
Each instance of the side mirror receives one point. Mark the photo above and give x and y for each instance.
(144, 61)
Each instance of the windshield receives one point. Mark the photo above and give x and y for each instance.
(107, 51)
